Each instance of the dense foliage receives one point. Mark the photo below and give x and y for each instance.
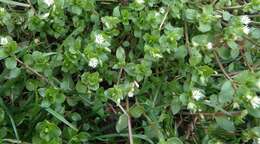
(113, 71)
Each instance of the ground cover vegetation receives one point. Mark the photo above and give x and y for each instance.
(130, 71)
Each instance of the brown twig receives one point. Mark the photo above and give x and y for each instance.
(252, 41)
(187, 43)
(119, 76)
(244, 58)
(221, 66)
(32, 70)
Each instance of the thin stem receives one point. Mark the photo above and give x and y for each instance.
(32, 70)
(187, 43)
(31, 5)
(234, 7)
(15, 141)
(123, 110)
(223, 69)
(221, 66)
(245, 60)
(130, 133)
(164, 18)
(234, 113)
(119, 76)
(252, 41)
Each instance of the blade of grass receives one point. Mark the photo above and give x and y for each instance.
(61, 118)
(2, 104)
(10, 2)
(14, 141)
(143, 137)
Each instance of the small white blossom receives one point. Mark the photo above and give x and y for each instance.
(255, 102)
(209, 46)
(245, 19)
(93, 62)
(162, 10)
(131, 93)
(48, 2)
(99, 39)
(140, 1)
(246, 30)
(197, 94)
(3, 40)
(133, 85)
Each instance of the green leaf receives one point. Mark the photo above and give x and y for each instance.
(136, 111)
(226, 15)
(121, 123)
(256, 131)
(203, 27)
(10, 63)
(120, 54)
(226, 93)
(61, 118)
(2, 115)
(2, 54)
(175, 107)
(174, 140)
(256, 33)
(15, 72)
(254, 112)
(190, 14)
(116, 11)
(225, 123)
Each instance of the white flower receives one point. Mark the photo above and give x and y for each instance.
(133, 85)
(162, 10)
(197, 94)
(246, 30)
(255, 102)
(99, 39)
(245, 19)
(209, 46)
(93, 62)
(48, 2)
(3, 40)
(131, 93)
(140, 1)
